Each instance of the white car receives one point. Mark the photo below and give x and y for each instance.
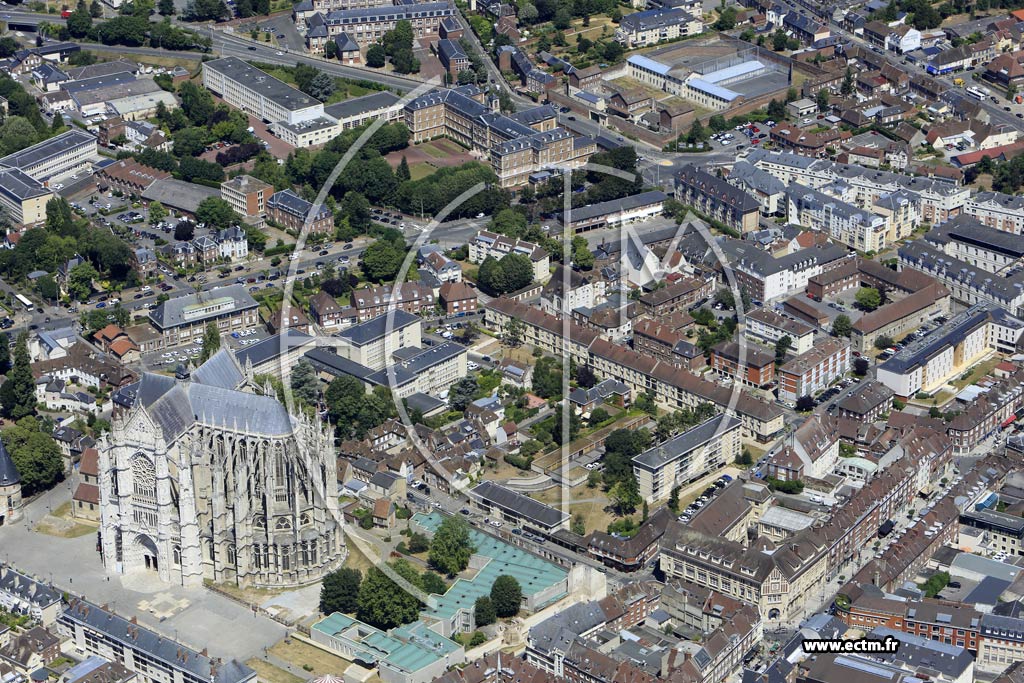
(473, 365)
(279, 53)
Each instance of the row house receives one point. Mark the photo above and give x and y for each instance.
(410, 297)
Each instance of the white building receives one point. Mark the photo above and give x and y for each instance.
(256, 92)
(928, 363)
(845, 223)
(70, 151)
(487, 243)
(767, 326)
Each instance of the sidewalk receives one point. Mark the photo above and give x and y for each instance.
(195, 616)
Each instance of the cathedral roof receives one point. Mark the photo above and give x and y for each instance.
(211, 397)
(220, 370)
(8, 472)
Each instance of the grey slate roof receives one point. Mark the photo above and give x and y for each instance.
(220, 370)
(626, 203)
(375, 328)
(656, 457)
(63, 143)
(522, 505)
(19, 186)
(361, 105)
(163, 649)
(8, 471)
(175, 311)
(276, 90)
(272, 347)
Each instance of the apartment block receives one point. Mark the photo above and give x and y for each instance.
(368, 25)
(927, 363)
(768, 327)
(746, 363)
(997, 210)
(515, 150)
(22, 197)
(687, 457)
(70, 151)
(843, 222)
(717, 199)
(255, 92)
(248, 196)
(487, 243)
(812, 372)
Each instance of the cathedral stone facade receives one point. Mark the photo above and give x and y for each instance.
(209, 477)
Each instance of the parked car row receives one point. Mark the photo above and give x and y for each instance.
(706, 497)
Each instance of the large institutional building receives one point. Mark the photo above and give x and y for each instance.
(206, 478)
(516, 145)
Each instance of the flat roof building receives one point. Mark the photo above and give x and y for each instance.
(23, 198)
(255, 92)
(183, 319)
(517, 508)
(57, 156)
(687, 457)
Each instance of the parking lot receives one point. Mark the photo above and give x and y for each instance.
(705, 497)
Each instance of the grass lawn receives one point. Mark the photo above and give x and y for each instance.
(977, 372)
(588, 502)
(269, 673)
(434, 149)
(62, 525)
(356, 559)
(299, 653)
(421, 169)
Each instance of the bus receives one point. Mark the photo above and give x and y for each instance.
(976, 93)
(24, 301)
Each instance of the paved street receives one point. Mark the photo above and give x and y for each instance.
(196, 617)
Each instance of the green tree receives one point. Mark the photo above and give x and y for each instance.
(883, 341)
(673, 499)
(507, 596)
(18, 392)
(451, 547)
(513, 335)
(847, 87)
(841, 326)
(216, 213)
(340, 591)
(17, 133)
(718, 124)
(166, 7)
(157, 213)
(860, 366)
(822, 99)
(383, 603)
(184, 231)
(868, 298)
(626, 494)
(211, 341)
(462, 392)
(80, 279)
(582, 257)
(305, 383)
(726, 20)
(431, 582)
(34, 452)
(5, 352)
(79, 22)
(579, 525)
(356, 207)
(375, 56)
(782, 347)
(483, 611)
(402, 173)
(382, 260)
